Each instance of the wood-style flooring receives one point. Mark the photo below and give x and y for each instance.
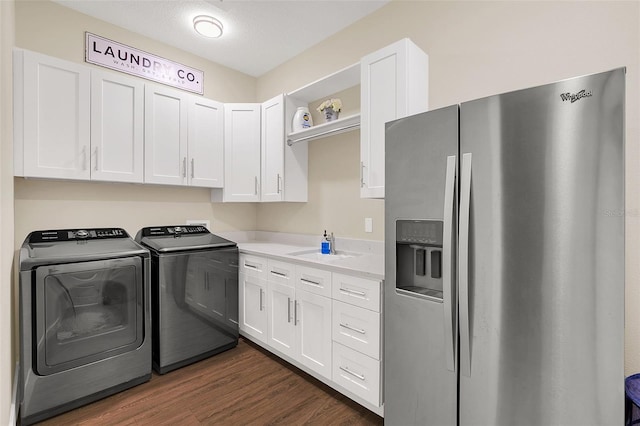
(243, 386)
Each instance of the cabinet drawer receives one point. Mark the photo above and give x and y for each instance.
(357, 328)
(281, 272)
(253, 265)
(357, 291)
(357, 373)
(316, 281)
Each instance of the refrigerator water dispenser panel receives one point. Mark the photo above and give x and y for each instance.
(419, 257)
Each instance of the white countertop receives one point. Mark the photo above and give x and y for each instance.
(367, 256)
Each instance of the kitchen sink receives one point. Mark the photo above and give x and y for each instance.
(316, 255)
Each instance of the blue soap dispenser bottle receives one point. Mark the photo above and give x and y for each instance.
(325, 247)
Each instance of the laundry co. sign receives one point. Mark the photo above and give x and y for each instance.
(119, 57)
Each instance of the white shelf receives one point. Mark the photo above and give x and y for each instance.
(330, 128)
(333, 83)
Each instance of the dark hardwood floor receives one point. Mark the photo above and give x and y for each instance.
(242, 386)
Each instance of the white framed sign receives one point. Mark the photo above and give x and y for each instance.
(120, 57)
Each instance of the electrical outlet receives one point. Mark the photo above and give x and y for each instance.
(202, 222)
(368, 224)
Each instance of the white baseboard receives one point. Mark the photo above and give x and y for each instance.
(13, 410)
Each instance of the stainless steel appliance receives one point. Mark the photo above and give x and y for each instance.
(194, 290)
(504, 229)
(84, 318)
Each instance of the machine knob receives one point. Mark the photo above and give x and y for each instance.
(82, 233)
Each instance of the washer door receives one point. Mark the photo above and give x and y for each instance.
(86, 312)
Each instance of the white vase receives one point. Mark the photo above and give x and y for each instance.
(330, 114)
(301, 119)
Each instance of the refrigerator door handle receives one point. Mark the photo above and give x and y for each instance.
(448, 296)
(463, 265)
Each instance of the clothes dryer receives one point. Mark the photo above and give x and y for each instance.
(85, 327)
(194, 290)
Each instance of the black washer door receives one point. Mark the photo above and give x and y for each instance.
(86, 312)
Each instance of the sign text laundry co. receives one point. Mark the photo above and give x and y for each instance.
(123, 58)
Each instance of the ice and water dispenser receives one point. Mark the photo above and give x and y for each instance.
(419, 257)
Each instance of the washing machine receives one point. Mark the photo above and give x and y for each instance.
(194, 293)
(85, 321)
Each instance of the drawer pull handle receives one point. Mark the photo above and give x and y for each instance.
(356, 375)
(248, 265)
(349, 291)
(311, 282)
(280, 274)
(357, 330)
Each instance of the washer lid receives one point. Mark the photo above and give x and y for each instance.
(77, 245)
(166, 239)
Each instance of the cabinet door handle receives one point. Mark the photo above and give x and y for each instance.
(317, 284)
(356, 375)
(295, 312)
(192, 167)
(278, 183)
(261, 299)
(357, 330)
(349, 291)
(255, 185)
(84, 158)
(96, 155)
(288, 309)
(361, 174)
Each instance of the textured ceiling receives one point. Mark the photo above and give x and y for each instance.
(259, 34)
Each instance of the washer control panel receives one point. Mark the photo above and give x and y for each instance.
(174, 231)
(77, 234)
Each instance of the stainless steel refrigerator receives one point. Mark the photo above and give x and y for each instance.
(504, 280)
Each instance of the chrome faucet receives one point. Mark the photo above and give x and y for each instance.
(332, 240)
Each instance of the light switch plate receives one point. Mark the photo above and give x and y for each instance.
(368, 224)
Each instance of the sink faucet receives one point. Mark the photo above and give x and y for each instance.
(333, 244)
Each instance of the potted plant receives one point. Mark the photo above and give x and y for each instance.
(331, 108)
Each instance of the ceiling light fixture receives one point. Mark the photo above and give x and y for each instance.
(207, 26)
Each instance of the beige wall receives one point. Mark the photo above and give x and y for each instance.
(46, 27)
(475, 49)
(7, 295)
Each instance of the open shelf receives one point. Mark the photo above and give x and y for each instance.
(333, 83)
(346, 124)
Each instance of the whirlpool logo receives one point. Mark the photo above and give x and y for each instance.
(573, 97)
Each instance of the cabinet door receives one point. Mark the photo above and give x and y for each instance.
(165, 136)
(241, 152)
(272, 149)
(253, 307)
(314, 332)
(117, 105)
(205, 143)
(393, 85)
(54, 117)
(281, 318)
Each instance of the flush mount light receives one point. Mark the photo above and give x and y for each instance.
(207, 26)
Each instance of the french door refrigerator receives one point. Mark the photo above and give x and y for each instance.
(504, 281)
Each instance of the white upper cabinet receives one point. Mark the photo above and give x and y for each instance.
(394, 84)
(206, 143)
(117, 138)
(165, 136)
(272, 147)
(52, 121)
(241, 153)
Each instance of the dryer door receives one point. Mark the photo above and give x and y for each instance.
(86, 312)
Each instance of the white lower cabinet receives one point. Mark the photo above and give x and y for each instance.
(324, 322)
(253, 307)
(357, 373)
(314, 331)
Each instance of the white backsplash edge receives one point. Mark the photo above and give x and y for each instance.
(305, 240)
